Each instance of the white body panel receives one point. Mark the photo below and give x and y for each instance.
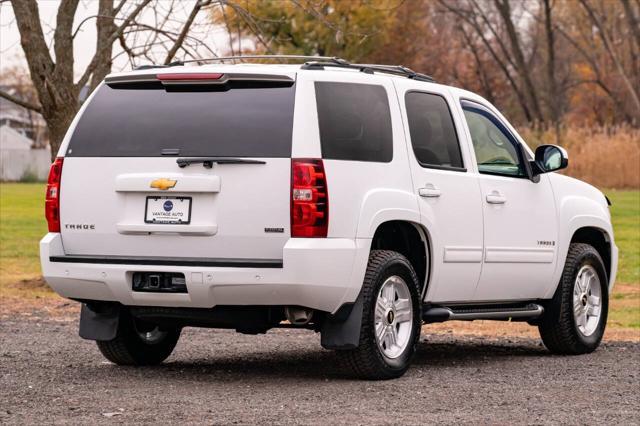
(579, 205)
(450, 209)
(520, 239)
(231, 206)
(316, 273)
(478, 251)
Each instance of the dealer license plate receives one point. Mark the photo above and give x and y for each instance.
(168, 210)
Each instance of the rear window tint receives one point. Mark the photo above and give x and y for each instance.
(240, 122)
(433, 134)
(354, 120)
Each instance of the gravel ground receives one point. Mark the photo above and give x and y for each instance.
(49, 375)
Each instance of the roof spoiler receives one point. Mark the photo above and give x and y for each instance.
(197, 79)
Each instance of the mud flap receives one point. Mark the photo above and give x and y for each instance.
(342, 329)
(99, 322)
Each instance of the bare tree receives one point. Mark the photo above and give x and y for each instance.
(523, 70)
(608, 45)
(480, 68)
(53, 80)
(472, 14)
(552, 84)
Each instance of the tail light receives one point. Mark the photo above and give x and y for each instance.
(309, 199)
(52, 199)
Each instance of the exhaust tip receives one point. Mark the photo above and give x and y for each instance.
(297, 315)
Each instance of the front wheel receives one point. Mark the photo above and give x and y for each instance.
(139, 343)
(391, 318)
(575, 318)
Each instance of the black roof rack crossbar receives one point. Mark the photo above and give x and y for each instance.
(371, 68)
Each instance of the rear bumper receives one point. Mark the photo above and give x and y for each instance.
(322, 273)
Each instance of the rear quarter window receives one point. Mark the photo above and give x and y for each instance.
(354, 121)
(141, 122)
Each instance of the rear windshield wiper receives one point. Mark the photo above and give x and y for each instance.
(207, 162)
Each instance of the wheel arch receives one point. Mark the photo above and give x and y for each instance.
(411, 240)
(589, 229)
(342, 330)
(597, 238)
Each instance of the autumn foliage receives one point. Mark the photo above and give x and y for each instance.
(568, 69)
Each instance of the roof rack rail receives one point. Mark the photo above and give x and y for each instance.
(313, 63)
(371, 68)
(331, 59)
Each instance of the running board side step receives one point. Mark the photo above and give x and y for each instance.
(488, 312)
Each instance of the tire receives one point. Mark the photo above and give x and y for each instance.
(139, 344)
(564, 327)
(386, 360)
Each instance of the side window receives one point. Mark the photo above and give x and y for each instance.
(495, 148)
(355, 122)
(433, 134)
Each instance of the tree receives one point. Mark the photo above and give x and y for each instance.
(599, 61)
(604, 35)
(57, 91)
(351, 29)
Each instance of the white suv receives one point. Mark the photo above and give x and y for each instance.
(359, 201)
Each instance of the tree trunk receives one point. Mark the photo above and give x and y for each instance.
(522, 69)
(53, 82)
(105, 27)
(480, 71)
(635, 97)
(552, 88)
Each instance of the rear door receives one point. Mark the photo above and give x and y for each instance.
(123, 190)
(449, 194)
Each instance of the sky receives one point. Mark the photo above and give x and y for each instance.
(11, 53)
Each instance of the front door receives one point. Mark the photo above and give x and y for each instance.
(449, 194)
(520, 224)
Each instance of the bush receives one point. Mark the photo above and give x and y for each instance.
(606, 157)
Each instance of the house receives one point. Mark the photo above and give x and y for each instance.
(24, 149)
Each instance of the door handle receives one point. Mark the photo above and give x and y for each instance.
(429, 191)
(496, 198)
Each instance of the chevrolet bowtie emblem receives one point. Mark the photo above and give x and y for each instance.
(163, 183)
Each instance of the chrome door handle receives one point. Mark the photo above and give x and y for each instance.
(496, 198)
(429, 191)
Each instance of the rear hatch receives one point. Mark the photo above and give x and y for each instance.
(181, 165)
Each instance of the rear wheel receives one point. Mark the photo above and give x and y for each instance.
(575, 319)
(391, 318)
(138, 343)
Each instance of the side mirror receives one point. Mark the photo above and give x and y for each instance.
(550, 158)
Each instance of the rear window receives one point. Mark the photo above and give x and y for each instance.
(141, 122)
(354, 120)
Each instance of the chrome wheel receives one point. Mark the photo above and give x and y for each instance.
(393, 317)
(152, 336)
(587, 296)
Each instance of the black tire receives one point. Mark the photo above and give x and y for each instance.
(129, 348)
(558, 327)
(367, 361)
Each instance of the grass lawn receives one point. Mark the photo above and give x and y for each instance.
(625, 300)
(22, 225)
